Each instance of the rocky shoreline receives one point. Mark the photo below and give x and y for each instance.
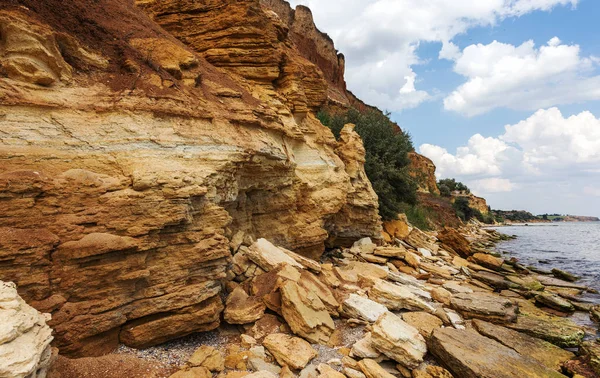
(427, 305)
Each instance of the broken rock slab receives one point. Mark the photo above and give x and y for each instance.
(240, 308)
(535, 322)
(364, 348)
(542, 351)
(424, 322)
(357, 306)
(396, 297)
(372, 369)
(470, 355)
(398, 340)
(289, 350)
(267, 256)
(305, 313)
(486, 306)
(208, 357)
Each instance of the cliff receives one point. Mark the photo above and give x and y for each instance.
(422, 170)
(141, 144)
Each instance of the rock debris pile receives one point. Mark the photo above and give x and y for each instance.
(429, 305)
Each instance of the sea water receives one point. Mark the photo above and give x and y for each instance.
(574, 247)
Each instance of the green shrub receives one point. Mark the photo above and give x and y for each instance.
(387, 162)
(418, 216)
(450, 185)
(444, 190)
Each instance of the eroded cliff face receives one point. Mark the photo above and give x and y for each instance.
(135, 154)
(422, 170)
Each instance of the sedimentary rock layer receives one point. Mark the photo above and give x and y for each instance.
(131, 159)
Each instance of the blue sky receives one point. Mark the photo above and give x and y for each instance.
(579, 26)
(503, 95)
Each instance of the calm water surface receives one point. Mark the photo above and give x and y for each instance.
(574, 247)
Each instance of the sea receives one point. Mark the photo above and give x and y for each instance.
(570, 246)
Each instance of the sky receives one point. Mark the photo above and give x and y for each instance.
(503, 95)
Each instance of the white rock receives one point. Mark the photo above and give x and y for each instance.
(397, 297)
(425, 252)
(363, 308)
(24, 336)
(456, 320)
(398, 340)
(364, 245)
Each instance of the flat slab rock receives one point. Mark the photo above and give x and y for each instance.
(467, 354)
(288, 350)
(486, 306)
(357, 306)
(542, 351)
(562, 332)
(398, 340)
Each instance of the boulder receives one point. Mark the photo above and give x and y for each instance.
(364, 348)
(355, 269)
(313, 284)
(396, 297)
(372, 369)
(398, 340)
(208, 357)
(305, 313)
(240, 308)
(455, 288)
(424, 322)
(563, 275)
(487, 260)
(357, 306)
(364, 245)
(486, 306)
(495, 280)
(555, 302)
(267, 256)
(468, 354)
(395, 252)
(542, 351)
(24, 336)
(441, 295)
(451, 239)
(590, 350)
(398, 229)
(288, 350)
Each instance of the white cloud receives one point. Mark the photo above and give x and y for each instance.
(492, 185)
(380, 37)
(521, 77)
(545, 148)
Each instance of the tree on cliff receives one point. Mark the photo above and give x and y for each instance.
(387, 148)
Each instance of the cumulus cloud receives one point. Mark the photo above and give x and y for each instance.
(380, 37)
(546, 147)
(492, 185)
(521, 77)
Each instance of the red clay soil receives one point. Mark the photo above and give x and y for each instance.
(106, 27)
(110, 366)
(443, 214)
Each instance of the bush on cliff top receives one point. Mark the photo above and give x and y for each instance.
(449, 185)
(387, 162)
